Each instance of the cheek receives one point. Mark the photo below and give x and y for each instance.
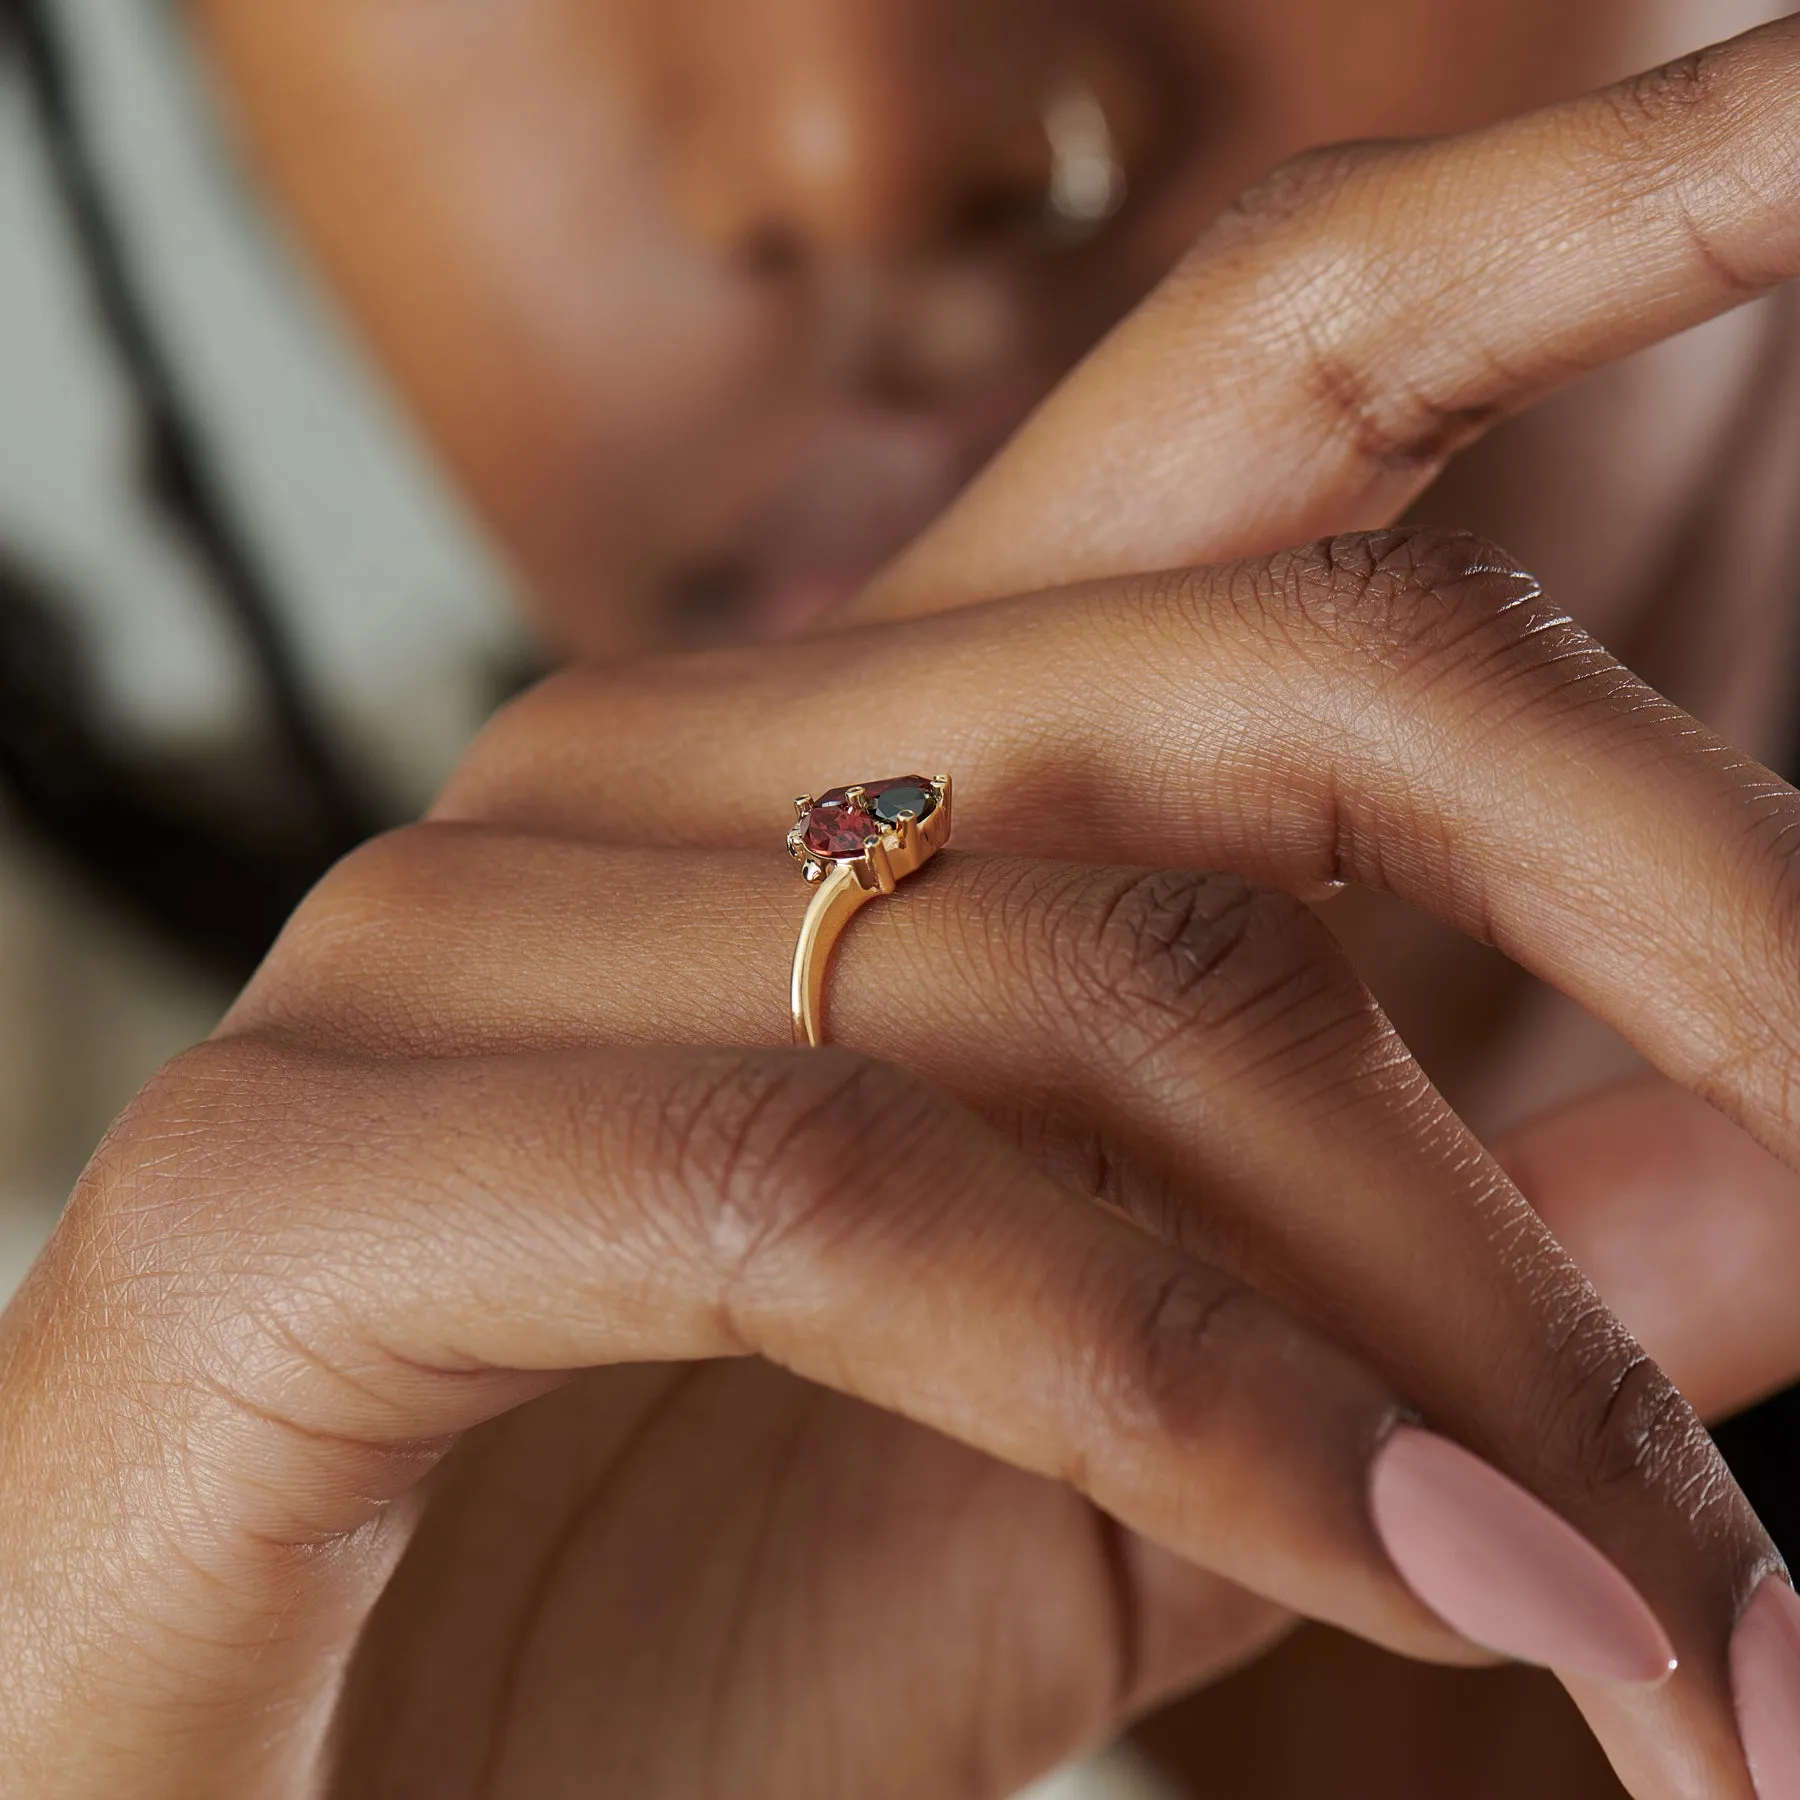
(482, 198)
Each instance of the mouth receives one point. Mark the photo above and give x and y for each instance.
(736, 602)
(863, 490)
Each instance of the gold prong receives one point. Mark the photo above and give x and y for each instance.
(858, 797)
(803, 804)
(876, 853)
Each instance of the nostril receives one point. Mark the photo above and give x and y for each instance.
(997, 209)
(710, 604)
(771, 252)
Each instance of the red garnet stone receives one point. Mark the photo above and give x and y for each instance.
(838, 830)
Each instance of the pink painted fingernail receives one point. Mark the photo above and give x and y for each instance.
(1765, 1684)
(1499, 1567)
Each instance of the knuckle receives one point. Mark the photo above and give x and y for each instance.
(1624, 1427)
(501, 778)
(193, 1274)
(1301, 188)
(1697, 148)
(1160, 957)
(365, 891)
(1422, 602)
(349, 966)
(1647, 103)
(1168, 1359)
(167, 1136)
(1326, 301)
(770, 1153)
(156, 1224)
(1428, 651)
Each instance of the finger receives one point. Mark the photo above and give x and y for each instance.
(469, 1227)
(1689, 1229)
(1404, 711)
(1370, 309)
(1197, 1053)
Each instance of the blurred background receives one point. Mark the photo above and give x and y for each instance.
(396, 612)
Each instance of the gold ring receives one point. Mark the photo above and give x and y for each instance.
(854, 843)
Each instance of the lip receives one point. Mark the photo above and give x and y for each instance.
(792, 601)
(732, 601)
(866, 484)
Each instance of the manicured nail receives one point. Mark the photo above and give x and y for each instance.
(1499, 1567)
(1765, 1683)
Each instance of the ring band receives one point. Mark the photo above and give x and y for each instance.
(855, 843)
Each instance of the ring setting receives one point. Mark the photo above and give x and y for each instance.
(853, 844)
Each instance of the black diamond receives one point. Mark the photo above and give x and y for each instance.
(907, 798)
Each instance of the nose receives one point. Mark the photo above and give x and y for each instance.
(799, 130)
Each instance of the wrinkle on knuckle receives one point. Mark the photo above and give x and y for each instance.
(1012, 919)
(1648, 101)
(1393, 423)
(1621, 1426)
(218, 1289)
(1169, 957)
(1298, 190)
(1694, 147)
(1162, 939)
(1434, 657)
(1695, 214)
(1162, 936)
(1428, 605)
(1390, 420)
(1326, 286)
(1168, 1360)
(770, 1157)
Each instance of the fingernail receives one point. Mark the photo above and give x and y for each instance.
(1765, 1684)
(1499, 1567)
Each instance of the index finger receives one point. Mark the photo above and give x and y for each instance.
(1370, 309)
(1405, 711)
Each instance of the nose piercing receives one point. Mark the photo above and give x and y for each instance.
(1087, 179)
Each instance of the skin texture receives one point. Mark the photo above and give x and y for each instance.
(444, 1152)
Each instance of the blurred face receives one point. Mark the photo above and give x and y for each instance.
(710, 305)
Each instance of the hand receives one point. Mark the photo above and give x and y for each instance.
(437, 1159)
(1690, 1231)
